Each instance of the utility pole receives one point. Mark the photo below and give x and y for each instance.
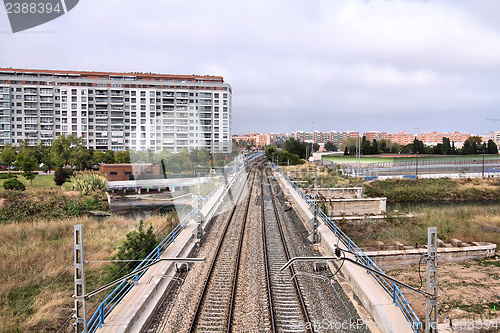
(80, 290)
(431, 304)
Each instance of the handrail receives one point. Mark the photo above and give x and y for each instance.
(116, 295)
(393, 290)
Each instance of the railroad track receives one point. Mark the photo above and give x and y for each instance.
(215, 306)
(287, 307)
(246, 245)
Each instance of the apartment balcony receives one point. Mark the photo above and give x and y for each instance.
(101, 101)
(116, 114)
(30, 105)
(168, 94)
(168, 101)
(44, 91)
(101, 141)
(46, 105)
(116, 100)
(117, 108)
(101, 93)
(101, 122)
(31, 91)
(46, 127)
(101, 107)
(101, 114)
(30, 98)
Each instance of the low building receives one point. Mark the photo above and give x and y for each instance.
(118, 172)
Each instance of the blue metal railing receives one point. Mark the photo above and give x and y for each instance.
(393, 290)
(115, 296)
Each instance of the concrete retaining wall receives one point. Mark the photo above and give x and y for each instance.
(394, 259)
(338, 192)
(356, 207)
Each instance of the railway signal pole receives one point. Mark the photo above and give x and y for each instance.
(80, 314)
(431, 304)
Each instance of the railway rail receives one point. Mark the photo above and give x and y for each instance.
(239, 289)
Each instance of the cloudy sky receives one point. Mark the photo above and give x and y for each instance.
(360, 65)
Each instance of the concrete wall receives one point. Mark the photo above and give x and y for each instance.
(356, 207)
(338, 192)
(394, 259)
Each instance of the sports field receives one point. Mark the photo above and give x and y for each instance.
(403, 158)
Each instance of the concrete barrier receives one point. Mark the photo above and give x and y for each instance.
(393, 259)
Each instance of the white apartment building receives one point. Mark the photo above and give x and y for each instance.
(116, 111)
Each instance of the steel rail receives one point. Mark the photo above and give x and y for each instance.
(266, 260)
(195, 320)
(292, 270)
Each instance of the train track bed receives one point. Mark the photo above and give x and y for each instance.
(242, 297)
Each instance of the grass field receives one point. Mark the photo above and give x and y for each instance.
(402, 158)
(41, 181)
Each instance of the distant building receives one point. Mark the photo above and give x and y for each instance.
(322, 137)
(433, 138)
(374, 135)
(495, 136)
(401, 138)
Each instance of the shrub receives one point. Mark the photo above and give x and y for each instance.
(137, 245)
(59, 177)
(89, 181)
(13, 184)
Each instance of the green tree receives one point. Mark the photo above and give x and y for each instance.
(137, 245)
(13, 184)
(98, 157)
(418, 147)
(315, 147)
(109, 157)
(365, 146)
(270, 152)
(374, 147)
(491, 147)
(122, 156)
(438, 149)
(295, 147)
(80, 157)
(349, 146)
(329, 146)
(61, 147)
(446, 146)
(27, 163)
(8, 155)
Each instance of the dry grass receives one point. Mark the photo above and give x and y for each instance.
(34, 254)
